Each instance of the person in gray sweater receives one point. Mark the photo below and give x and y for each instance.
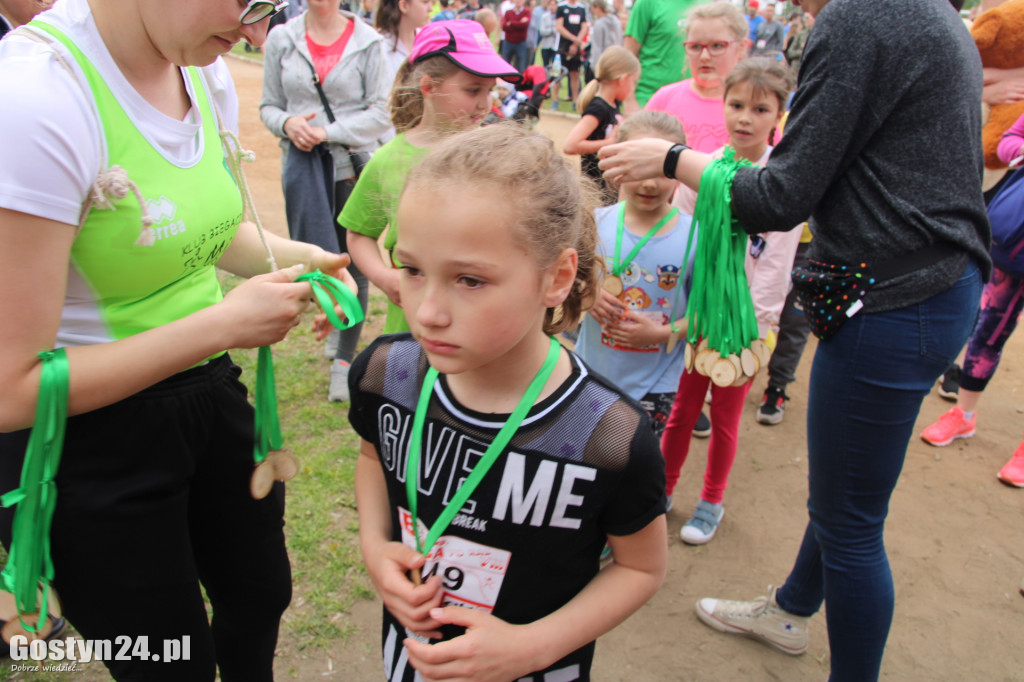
(769, 36)
(883, 152)
(607, 31)
(317, 169)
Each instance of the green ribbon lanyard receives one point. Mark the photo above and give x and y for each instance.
(720, 308)
(29, 564)
(618, 266)
(497, 446)
(328, 291)
(682, 275)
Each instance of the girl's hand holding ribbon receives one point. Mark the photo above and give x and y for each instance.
(607, 309)
(492, 650)
(389, 564)
(637, 331)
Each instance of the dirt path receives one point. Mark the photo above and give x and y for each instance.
(955, 536)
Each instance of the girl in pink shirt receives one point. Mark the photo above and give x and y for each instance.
(716, 40)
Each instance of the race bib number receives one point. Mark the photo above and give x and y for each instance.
(574, 18)
(761, 44)
(471, 573)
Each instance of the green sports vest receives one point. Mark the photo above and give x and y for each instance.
(196, 212)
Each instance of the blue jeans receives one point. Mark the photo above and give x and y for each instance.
(866, 388)
(515, 54)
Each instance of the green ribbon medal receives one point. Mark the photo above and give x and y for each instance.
(720, 309)
(613, 283)
(279, 465)
(491, 455)
(29, 566)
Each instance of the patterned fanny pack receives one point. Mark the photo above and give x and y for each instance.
(830, 294)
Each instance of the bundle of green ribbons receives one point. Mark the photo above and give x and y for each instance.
(29, 566)
(719, 308)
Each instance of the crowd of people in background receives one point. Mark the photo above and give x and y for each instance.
(378, 106)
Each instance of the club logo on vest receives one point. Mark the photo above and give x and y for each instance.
(162, 211)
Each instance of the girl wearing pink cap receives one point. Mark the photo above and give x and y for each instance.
(443, 88)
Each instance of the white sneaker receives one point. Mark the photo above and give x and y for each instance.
(338, 391)
(762, 619)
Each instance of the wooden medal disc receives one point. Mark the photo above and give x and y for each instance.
(761, 350)
(723, 372)
(284, 463)
(14, 627)
(612, 284)
(749, 362)
(263, 477)
(741, 378)
(705, 360)
(673, 339)
(689, 353)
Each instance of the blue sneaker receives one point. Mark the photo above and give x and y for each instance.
(702, 525)
(554, 106)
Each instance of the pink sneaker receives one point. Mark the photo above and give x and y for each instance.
(950, 426)
(1013, 472)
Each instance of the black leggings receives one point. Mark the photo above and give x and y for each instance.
(153, 499)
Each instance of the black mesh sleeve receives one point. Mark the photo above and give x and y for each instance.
(641, 493)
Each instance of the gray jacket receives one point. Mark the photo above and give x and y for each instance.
(355, 89)
(607, 32)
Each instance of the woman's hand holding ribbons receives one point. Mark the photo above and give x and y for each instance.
(263, 309)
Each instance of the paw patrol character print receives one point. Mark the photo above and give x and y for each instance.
(635, 298)
(668, 276)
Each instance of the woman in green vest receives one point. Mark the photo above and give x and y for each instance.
(116, 204)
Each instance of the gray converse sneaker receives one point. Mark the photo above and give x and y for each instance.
(702, 525)
(338, 391)
(762, 619)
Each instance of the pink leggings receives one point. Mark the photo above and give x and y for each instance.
(726, 410)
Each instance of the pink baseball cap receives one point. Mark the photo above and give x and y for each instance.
(464, 42)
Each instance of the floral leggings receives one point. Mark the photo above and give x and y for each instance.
(1001, 302)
